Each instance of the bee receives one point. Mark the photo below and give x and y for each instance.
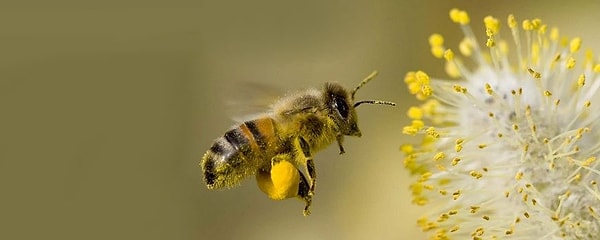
(278, 146)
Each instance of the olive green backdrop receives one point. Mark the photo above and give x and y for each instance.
(107, 108)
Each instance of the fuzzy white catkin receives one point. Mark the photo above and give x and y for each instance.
(509, 147)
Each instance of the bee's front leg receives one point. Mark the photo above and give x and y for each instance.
(340, 139)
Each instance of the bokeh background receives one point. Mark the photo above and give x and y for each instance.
(107, 107)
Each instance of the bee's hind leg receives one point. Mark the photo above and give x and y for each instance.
(303, 190)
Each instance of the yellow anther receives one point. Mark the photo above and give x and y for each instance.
(437, 51)
(422, 77)
(452, 70)
(492, 25)
(581, 80)
(465, 47)
(474, 209)
(534, 74)
(449, 55)
(490, 43)
(459, 16)
(587, 104)
(436, 40)
(487, 218)
(415, 113)
(432, 132)
(575, 44)
(482, 146)
(519, 176)
(570, 63)
(488, 89)
(542, 29)
(556, 57)
(439, 156)
(456, 195)
(410, 130)
(526, 214)
(554, 34)
(458, 147)
(459, 89)
(596, 68)
(512, 23)
(527, 25)
(503, 46)
(475, 174)
(536, 23)
(547, 93)
(455, 161)
(407, 148)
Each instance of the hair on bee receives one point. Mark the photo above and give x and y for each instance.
(278, 146)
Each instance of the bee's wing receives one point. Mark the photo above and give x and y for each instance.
(251, 100)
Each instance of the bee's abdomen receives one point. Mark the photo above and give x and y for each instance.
(237, 153)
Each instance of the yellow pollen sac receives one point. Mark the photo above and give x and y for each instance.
(459, 89)
(536, 23)
(455, 161)
(465, 47)
(534, 74)
(458, 147)
(570, 63)
(547, 93)
(436, 40)
(596, 68)
(432, 132)
(415, 113)
(527, 25)
(283, 181)
(488, 89)
(439, 156)
(542, 29)
(452, 70)
(587, 104)
(475, 174)
(512, 23)
(448, 55)
(519, 176)
(581, 80)
(575, 44)
(459, 16)
(554, 34)
(492, 25)
(407, 148)
(490, 43)
(456, 195)
(437, 51)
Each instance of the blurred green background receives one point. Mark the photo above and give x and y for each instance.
(107, 108)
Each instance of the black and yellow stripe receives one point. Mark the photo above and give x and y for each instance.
(239, 152)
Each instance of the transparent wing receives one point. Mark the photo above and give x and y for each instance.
(251, 100)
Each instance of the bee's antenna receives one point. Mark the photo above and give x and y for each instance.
(362, 83)
(374, 102)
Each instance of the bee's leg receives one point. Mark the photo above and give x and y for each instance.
(340, 139)
(303, 190)
(310, 165)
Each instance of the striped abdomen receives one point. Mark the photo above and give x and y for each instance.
(239, 153)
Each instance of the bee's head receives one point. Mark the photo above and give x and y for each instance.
(341, 109)
(342, 106)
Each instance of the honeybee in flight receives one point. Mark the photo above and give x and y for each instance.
(278, 146)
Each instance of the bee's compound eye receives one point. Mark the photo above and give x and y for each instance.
(341, 106)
